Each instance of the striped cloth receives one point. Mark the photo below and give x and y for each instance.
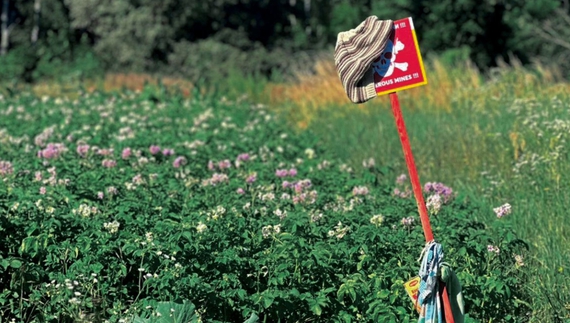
(428, 295)
(355, 51)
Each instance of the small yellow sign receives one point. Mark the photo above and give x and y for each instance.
(412, 288)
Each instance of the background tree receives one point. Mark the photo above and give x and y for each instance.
(197, 39)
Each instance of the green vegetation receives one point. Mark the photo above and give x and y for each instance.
(505, 141)
(114, 203)
(100, 224)
(197, 40)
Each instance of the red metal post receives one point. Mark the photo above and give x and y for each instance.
(414, 178)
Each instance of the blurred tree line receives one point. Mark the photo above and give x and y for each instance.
(207, 39)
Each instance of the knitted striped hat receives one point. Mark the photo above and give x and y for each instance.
(355, 51)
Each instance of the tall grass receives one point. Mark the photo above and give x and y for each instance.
(496, 138)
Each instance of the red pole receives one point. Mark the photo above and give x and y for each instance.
(416, 187)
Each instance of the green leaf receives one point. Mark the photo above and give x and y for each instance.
(15, 263)
(170, 312)
(384, 294)
(317, 309)
(268, 300)
(252, 319)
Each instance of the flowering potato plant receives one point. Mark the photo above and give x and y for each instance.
(112, 206)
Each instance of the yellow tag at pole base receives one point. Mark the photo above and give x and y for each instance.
(412, 288)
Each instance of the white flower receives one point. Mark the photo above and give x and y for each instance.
(316, 215)
(39, 204)
(368, 163)
(519, 260)
(268, 197)
(310, 153)
(84, 210)
(280, 214)
(339, 231)
(15, 206)
(502, 210)
(201, 227)
(112, 227)
(266, 231)
(277, 228)
(377, 220)
(434, 203)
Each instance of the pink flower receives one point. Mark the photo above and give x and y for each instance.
(285, 184)
(154, 149)
(126, 153)
(100, 195)
(218, 178)
(38, 176)
(292, 172)
(402, 179)
(112, 190)
(167, 152)
(251, 178)
(5, 168)
(42, 190)
(298, 187)
(403, 194)
(224, 164)
(211, 165)
(51, 151)
(408, 222)
(109, 163)
(82, 150)
(360, 190)
(281, 173)
(502, 210)
(240, 191)
(137, 179)
(179, 161)
(243, 157)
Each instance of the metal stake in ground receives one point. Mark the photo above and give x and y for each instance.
(414, 178)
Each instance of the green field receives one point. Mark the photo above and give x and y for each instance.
(114, 204)
(497, 139)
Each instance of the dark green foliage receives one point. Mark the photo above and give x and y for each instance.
(233, 256)
(258, 37)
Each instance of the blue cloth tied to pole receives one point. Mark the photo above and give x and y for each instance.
(429, 296)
